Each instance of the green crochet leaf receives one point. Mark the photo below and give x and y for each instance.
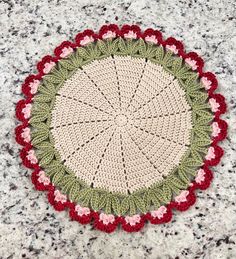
(83, 53)
(154, 200)
(115, 203)
(183, 176)
(39, 136)
(139, 203)
(178, 183)
(103, 47)
(192, 162)
(43, 98)
(108, 205)
(69, 64)
(95, 201)
(159, 55)
(204, 120)
(195, 154)
(125, 205)
(176, 65)
(74, 191)
(54, 78)
(167, 191)
(58, 176)
(132, 47)
(168, 59)
(122, 46)
(84, 196)
(40, 113)
(161, 196)
(180, 73)
(94, 51)
(147, 198)
(67, 182)
(132, 206)
(47, 92)
(46, 157)
(53, 168)
(143, 48)
(103, 200)
(190, 78)
(202, 133)
(202, 98)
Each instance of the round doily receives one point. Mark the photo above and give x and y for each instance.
(121, 123)
(121, 127)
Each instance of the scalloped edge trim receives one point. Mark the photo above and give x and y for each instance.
(120, 220)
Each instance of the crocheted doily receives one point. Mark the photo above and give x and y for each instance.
(121, 127)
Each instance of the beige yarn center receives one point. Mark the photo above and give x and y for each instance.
(121, 123)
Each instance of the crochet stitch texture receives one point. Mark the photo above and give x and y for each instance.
(121, 123)
(121, 127)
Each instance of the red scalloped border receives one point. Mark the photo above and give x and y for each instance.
(120, 220)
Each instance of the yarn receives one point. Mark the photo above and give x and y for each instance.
(121, 127)
(121, 124)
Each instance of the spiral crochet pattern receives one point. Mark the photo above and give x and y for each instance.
(121, 127)
(121, 123)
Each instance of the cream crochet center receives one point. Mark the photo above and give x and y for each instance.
(121, 123)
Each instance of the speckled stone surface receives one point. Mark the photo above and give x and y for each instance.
(29, 227)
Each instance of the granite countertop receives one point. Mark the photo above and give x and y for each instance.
(29, 227)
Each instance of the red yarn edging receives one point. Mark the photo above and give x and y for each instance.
(40, 186)
(199, 60)
(19, 131)
(109, 228)
(19, 107)
(190, 200)
(165, 219)
(127, 28)
(41, 64)
(80, 36)
(220, 99)
(25, 86)
(59, 206)
(94, 216)
(207, 181)
(223, 131)
(85, 219)
(219, 152)
(106, 28)
(128, 228)
(178, 44)
(64, 44)
(25, 161)
(150, 32)
(211, 77)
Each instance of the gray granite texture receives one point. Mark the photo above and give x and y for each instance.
(29, 227)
